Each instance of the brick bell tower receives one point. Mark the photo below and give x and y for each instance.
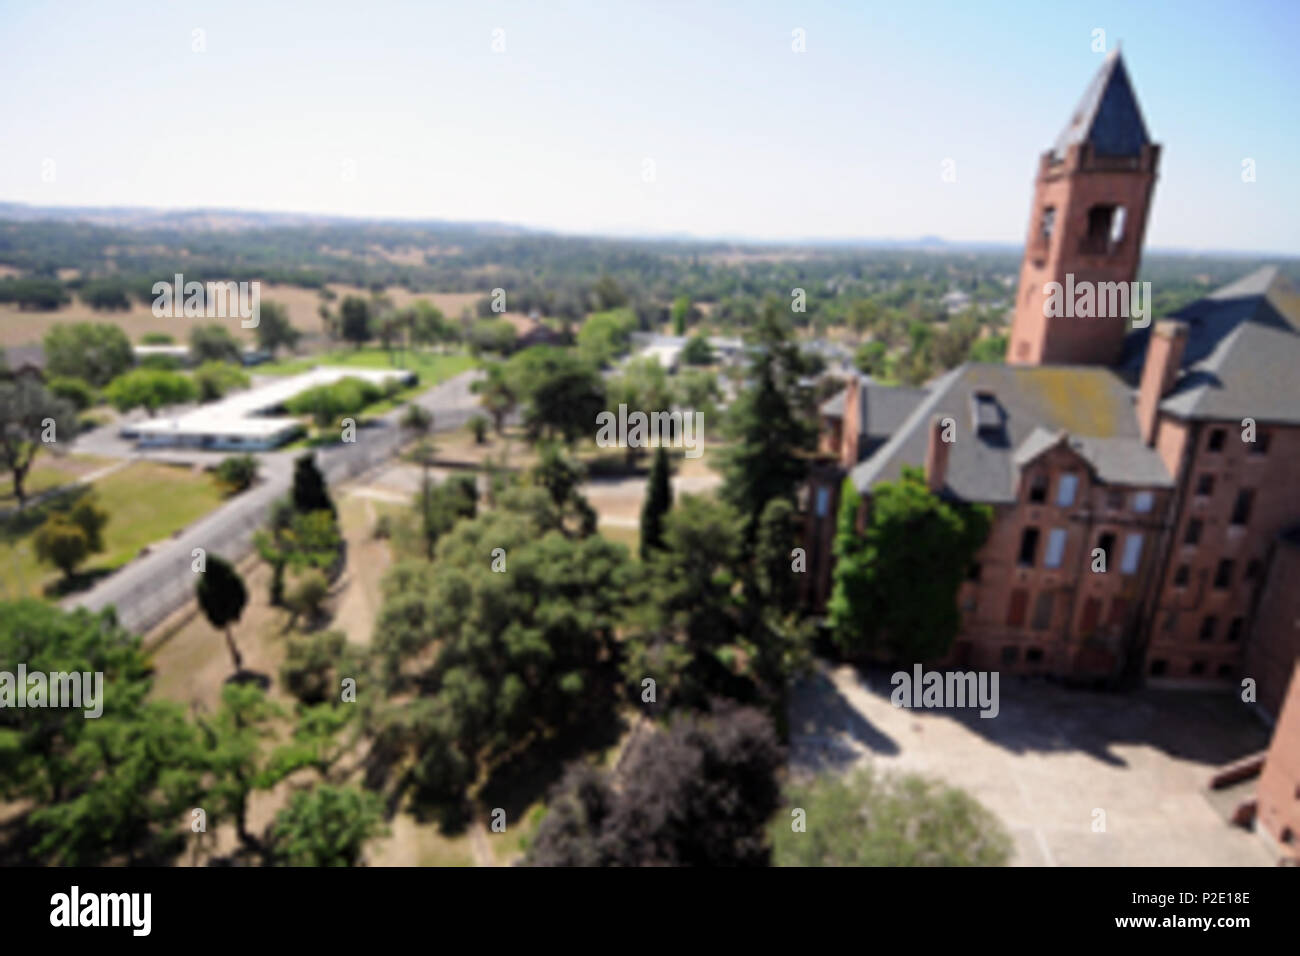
(1091, 201)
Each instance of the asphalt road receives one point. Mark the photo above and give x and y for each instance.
(151, 587)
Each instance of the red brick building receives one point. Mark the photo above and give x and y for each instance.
(1174, 449)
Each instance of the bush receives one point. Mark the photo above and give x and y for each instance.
(479, 426)
(312, 665)
(215, 379)
(75, 391)
(157, 338)
(307, 594)
(237, 473)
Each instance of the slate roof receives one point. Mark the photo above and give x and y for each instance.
(882, 409)
(1242, 357)
(1036, 407)
(1108, 117)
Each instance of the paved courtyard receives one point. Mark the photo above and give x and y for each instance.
(1049, 759)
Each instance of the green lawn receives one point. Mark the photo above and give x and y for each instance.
(431, 367)
(49, 471)
(146, 502)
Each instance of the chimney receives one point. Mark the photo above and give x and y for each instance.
(936, 457)
(1164, 357)
(851, 423)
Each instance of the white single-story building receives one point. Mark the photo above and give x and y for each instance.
(245, 421)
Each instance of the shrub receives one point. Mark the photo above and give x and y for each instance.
(307, 594)
(237, 473)
(73, 390)
(479, 426)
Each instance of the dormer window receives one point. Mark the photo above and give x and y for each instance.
(986, 415)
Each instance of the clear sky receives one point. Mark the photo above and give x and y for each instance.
(373, 108)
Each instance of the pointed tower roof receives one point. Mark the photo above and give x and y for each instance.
(1108, 117)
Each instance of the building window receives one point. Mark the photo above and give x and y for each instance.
(1193, 535)
(1042, 611)
(1198, 668)
(1225, 670)
(1143, 502)
(1171, 620)
(1132, 554)
(1234, 630)
(1260, 445)
(1241, 508)
(1106, 541)
(1217, 438)
(1016, 608)
(1055, 548)
(1114, 499)
(1223, 575)
(1038, 489)
(1158, 667)
(1010, 653)
(1034, 655)
(1066, 489)
(1208, 626)
(1204, 486)
(823, 501)
(1048, 224)
(1028, 547)
(1181, 575)
(1253, 569)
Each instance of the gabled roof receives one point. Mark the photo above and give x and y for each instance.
(1242, 357)
(1039, 406)
(1108, 117)
(881, 408)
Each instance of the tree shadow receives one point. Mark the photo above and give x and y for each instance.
(827, 725)
(245, 676)
(78, 581)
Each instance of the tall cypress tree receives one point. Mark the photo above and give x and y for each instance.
(309, 491)
(658, 499)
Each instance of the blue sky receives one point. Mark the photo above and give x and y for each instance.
(404, 110)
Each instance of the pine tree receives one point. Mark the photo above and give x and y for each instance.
(222, 596)
(658, 499)
(309, 491)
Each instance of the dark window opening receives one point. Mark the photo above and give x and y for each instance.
(1193, 535)
(1038, 489)
(1208, 626)
(1102, 229)
(1204, 486)
(1223, 575)
(1234, 630)
(1034, 655)
(1241, 508)
(1028, 547)
(1009, 654)
(1181, 575)
(1253, 569)
(1260, 445)
(1225, 670)
(1107, 544)
(1047, 225)
(1158, 667)
(1217, 437)
(1198, 668)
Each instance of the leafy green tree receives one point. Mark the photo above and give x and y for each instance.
(308, 593)
(441, 506)
(326, 826)
(491, 335)
(697, 351)
(33, 292)
(108, 294)
(696, 390)
(237, 473)
(157, 338)
(479, 426)
(94, 351)
(238, 757)
(214, 343)
(869, 819)
(895, 586)
(681, 313)
(417, 419)
(497, 394)
(222, 597)
(872, 358)
(658, 499)
(70, 535)
(606, 293)
(31, 418)
(274, 330)
(770, 424)
(314, 664)
(215, 379)
(75, 391)
(606, 336)
(562, 394)
(641, 386)
(327, 404)
(150, 389)
(427, 324)
(354, 321)
(992, 349)
(698, 793)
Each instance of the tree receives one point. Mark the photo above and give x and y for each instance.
(313, 665)
(108, 294)
(992, 349)
(69, 536)
(441, 506)
(75, 391)
(770, 424)
(222, 596)
(696, 794)
(309, 490)
(894, 587)
(872, 358)
(215, 379)
(151, 389)
(869, 819)
(237, 756)
(30, 419)
(307, 594)
(417, 419)
(354, 321)
(497, 394)
(659, 498)
(237, 473)
(479, 426)
(697, 351)
(606, 335)
(428, 326)
(562, 393)
(642, 386)
(274, 330)
(681, 313)
(94, 351)
(492, 335)
(214, 343)
(326, 826)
